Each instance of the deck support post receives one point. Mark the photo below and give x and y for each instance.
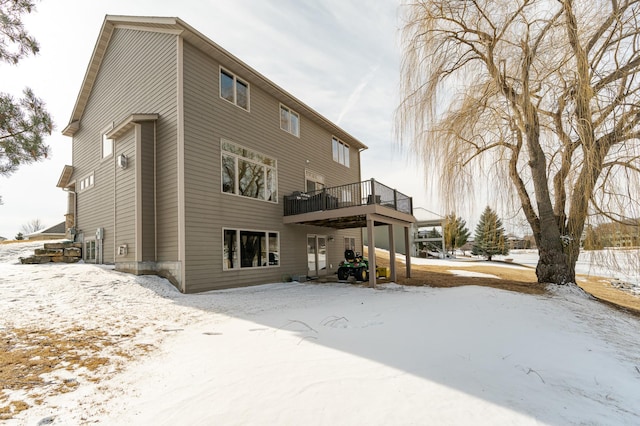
(372, 252)
(407, 250)
(392, 253)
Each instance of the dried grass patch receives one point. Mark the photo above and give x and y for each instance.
(522, 280)
(36, 363)
(601, 289)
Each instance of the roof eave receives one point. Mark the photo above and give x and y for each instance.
(71, 128)
(65, 176)
(202, 42)
(127, 123)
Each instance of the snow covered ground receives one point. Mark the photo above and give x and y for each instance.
(325, 354)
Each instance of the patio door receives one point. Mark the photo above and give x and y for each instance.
(317, 255)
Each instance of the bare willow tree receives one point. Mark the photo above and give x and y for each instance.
(539, 96)
(34, 225)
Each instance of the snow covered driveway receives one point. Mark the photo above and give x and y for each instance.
(327, 354)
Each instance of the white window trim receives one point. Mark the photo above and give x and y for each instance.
(343, 149)
(313, 177)
(240, 268)
(235, 94)
(86, 183)
(290, 112)
(348, 241)
(84, 250)
(113, 143)
(236, 183)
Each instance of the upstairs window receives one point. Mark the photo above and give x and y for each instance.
(248, 173)
(289, 120)
(234, 90)
(107, 144)
(340, 152)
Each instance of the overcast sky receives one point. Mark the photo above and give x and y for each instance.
(341, 57)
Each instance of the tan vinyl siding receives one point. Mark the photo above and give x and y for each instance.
(125, 198)
(95, 207)
(138, 75)
(202, 171)
(208, 118)
(147, 204)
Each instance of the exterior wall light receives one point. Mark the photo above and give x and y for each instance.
(122, 161)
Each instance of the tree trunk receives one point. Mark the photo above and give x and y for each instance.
(553, 265)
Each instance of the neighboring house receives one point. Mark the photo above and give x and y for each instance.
(3, 239)
(55, 232)
(516, 243)
(189, 164)
(425, 237)
(623, 234)
(468, 246)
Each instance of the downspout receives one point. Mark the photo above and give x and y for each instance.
(180, 167)
(155, 193)
(115, 200)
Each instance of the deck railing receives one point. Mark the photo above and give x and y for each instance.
(349, 195)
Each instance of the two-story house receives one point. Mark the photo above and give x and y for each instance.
(189, 164)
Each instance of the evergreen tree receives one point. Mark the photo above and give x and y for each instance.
(23, 122)
(456, 233)
(489, 236)
(19, 237)
(433, 233)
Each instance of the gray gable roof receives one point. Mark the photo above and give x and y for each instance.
(59, 228)
(56, 229)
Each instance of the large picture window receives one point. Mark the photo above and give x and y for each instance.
(250, 249)
(248, 173)
(340, 152)
(234, 90)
